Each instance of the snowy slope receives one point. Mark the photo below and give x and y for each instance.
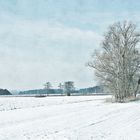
(68, 118)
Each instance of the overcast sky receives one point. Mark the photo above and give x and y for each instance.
(51, 40)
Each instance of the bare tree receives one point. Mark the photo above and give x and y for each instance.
(68, 87)
(117, 65)
(61, 87)
(47, 86)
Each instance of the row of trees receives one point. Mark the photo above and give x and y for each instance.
(117, 64)
(66, 88)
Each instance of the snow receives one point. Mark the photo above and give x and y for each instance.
(68, 118)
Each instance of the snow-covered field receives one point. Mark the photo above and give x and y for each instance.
(68, 118)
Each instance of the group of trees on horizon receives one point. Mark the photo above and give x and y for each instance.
(66, 88)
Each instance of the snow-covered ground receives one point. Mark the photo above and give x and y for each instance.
(68, 118)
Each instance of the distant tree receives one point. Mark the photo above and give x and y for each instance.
(68, 87)
(61, 87)
(47, 86)
(117, 64)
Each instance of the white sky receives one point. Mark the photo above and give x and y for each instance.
(51, 40)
